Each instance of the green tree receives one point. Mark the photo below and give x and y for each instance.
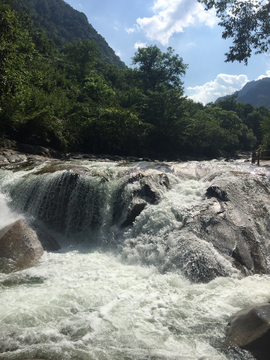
(156, 69)
(247, 22)
(265, 125)
(96, 88)
(16, 50)
(203, 134)
(82, 56)
(238, 136)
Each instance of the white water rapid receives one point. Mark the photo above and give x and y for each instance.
(88, 302)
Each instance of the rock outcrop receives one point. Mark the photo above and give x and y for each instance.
(235, 222)
(226, 233)
(19, 247)
(249, 329)
(135, 193)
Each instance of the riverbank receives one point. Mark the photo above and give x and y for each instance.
(12, 153)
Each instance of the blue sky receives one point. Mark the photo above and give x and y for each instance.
(182, 24)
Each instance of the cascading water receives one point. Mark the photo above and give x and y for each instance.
(122, 285)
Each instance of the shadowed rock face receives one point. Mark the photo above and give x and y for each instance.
(249, 329)
(47, 241)
(19, 247)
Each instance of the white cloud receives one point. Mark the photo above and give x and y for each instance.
(172, 16)
(264, 76)
(138, 45)
(223, 85)
(192, 44)
(130, 30)
(133, 29)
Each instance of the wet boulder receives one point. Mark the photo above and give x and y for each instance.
(19, 247)
(249, 329)
(48, 242)
(150, 187)
(217, 192)
(139, 190)
(134, 210)
(234, 219)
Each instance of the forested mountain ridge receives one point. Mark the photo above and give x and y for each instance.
(70, 100)
(256, 93)
(63, 25)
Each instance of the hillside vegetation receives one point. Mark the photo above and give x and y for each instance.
(257, 93)
(71, 100)
(63, 25)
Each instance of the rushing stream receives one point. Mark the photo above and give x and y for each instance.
(109, 293)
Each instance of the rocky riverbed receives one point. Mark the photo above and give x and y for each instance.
(198, 220)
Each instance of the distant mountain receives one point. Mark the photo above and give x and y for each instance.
(257, 93)
(63, 24)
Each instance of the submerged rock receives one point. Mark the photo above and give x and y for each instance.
(19, 247)
(249, 329)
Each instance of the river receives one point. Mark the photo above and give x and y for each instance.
(91, 302)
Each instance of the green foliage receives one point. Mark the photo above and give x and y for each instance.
(265, 125)
(156, 69)
(16, 50)
(70, 100)
(96, 88)
(82, 56)
(63, 25)
(246, 22)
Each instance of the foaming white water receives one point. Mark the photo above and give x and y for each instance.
(86, 305)
(80, 305)
(7, 216)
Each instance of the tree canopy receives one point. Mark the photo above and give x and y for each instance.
(72, 101)
(63, 25)
(247, 22)
(156, 68)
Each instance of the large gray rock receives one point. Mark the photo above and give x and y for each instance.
(225, 234)
(19, 247)
(249, 329)
(235, 220)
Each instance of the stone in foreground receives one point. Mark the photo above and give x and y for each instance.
(249, 329)
(19, 247)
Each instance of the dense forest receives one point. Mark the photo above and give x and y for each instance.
(69, 99)
(63, 25)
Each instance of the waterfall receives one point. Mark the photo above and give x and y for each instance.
(137, 276)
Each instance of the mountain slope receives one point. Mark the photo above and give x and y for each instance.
(63, 24)
(257, 93)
